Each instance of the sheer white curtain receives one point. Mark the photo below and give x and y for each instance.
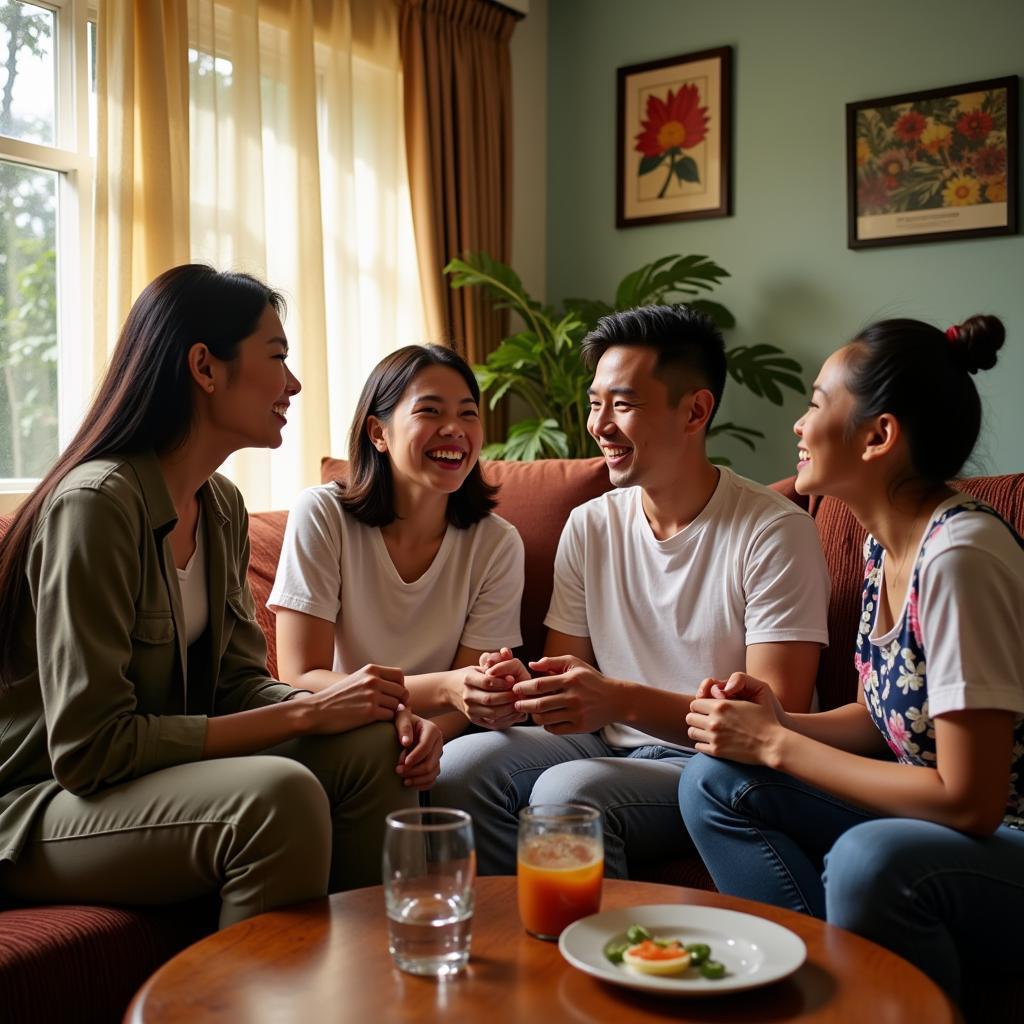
(298, 175)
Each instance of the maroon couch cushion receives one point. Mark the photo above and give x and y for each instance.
(84, 964)
(536, 498)
(266, 533)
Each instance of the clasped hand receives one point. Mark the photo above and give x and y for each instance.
(484, 692)
(738, 719)
(569, 697)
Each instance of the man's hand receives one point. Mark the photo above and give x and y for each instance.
(370, 694)
(487, 699)
(570, 697)
(420, 762)
(740, 719)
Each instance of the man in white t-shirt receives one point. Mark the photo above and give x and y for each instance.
(685, 571)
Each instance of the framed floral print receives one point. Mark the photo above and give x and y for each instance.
(932, 166)
(674, 139)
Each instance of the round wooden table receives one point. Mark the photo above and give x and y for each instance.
(328, 961)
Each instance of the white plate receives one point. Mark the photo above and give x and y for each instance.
(753, 950)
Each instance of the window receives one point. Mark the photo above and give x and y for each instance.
(47, 114)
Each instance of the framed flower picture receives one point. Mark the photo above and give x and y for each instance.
(932, 166)
(674, 136)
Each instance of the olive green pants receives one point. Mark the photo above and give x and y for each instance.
(265, 830)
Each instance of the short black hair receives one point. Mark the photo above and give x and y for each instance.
(923, 377)
(684, 338)
(369, 491)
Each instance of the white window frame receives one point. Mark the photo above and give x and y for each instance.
(70, 157)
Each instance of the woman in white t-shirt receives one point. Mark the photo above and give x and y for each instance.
(404, 564)
(924, 855)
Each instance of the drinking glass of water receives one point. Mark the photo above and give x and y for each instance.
(429, 868)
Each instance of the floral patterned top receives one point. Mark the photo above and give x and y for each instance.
(893, 672)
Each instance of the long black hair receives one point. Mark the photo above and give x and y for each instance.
(369, 492)
(924, 377)
(145, 401)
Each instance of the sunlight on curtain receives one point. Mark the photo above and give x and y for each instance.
(298, 175)
(142, 186)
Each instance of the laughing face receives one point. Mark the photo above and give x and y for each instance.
(434, 435)
(252, 406)
(632, 419)
(828, 451)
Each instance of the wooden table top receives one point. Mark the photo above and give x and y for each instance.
(328, 961)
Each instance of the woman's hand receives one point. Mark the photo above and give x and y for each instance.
(739, 719)
(370, 694)
(420, 761)
(501, 665)
(486, 699)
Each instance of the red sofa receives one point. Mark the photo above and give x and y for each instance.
(80, 963)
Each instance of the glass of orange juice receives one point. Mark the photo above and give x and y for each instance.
(560, 866)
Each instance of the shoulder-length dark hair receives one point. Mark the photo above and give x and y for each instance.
(368, 493)
(144, 402)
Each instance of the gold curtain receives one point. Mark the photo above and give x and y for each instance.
(142, 161)
(294, 170)
(458, 128)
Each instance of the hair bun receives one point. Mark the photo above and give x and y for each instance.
(977, 341)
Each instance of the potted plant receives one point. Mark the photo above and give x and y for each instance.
(541, 363)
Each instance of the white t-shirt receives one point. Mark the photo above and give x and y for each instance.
(748, 570)
(971, 611)
(337, 568)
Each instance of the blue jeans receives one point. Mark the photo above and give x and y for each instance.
(493, 775)
(931, 894)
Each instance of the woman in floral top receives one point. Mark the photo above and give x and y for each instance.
(924, 854)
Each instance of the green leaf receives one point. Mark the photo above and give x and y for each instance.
(499, 392)
(762, 369)
(684, 277)
(501, 282)
(719, 460)
(564, 333)
(744, 435)
(495, 450)
(530, 439)
(687, 170)
(666, 279)
(588, 311)
(722, 317)
(651, 163)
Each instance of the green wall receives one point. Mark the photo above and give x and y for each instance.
(794, 283)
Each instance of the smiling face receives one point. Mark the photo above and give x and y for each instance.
(829, 452)
(250, 395)
(638, 430)
(434, 435)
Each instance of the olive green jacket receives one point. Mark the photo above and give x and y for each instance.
(106, 688)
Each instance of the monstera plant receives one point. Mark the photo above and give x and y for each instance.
(541, 364)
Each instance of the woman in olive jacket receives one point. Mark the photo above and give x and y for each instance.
(145, 754)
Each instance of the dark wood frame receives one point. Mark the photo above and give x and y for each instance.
(1008, 82)
(724, 55)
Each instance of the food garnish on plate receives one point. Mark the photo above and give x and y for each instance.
(642, 953)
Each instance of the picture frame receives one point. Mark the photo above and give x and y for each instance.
(674, 139)
(933, 166)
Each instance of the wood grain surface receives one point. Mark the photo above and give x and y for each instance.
(328, 961)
